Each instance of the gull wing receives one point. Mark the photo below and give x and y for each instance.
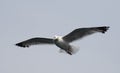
(81, 32)
(35, 41)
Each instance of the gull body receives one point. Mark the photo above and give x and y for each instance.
(63, 45)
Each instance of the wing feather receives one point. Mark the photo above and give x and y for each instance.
(81, 32)
(35, 41)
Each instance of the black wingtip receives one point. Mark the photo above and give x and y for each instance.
(21, 45)
(103, 29)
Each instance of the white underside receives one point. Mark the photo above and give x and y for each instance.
(62, 44)
(74, 50)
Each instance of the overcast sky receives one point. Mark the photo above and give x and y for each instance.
(24, 19)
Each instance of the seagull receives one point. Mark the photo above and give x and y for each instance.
(64, 42)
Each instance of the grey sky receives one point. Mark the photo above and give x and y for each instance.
(24, 19)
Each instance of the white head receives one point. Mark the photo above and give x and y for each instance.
(56, 37)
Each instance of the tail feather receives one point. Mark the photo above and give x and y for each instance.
(72, 50)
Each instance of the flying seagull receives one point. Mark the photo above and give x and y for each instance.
(64, 42)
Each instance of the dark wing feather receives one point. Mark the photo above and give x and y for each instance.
(81, 32)
(35, 41)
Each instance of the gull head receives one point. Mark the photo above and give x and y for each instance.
(56, 37)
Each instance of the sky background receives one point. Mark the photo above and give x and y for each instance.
(24, 19)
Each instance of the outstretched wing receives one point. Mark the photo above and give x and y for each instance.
(81, 32)
(35, 41)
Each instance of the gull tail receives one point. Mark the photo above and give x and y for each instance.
(71, 50)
